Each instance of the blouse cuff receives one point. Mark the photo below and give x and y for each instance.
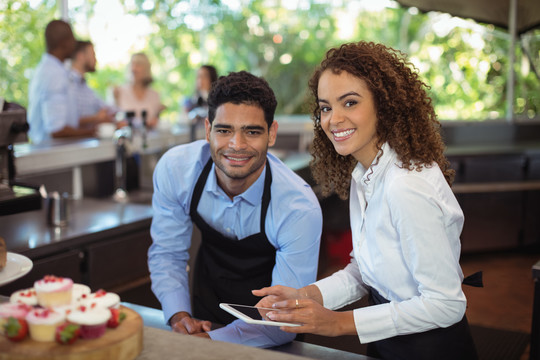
(374, 323)
(338, 291)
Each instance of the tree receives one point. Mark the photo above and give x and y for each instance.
(464, 63)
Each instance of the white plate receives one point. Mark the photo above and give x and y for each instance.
(16, 267)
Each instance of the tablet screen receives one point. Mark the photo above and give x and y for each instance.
(253, 315)
(252, 312)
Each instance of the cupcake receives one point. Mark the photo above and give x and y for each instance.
(102, 298)
(7, 310)
(92, 320)
(53, 291)
(78, 291)
(42, 324)
(26, 296)
(66, 309)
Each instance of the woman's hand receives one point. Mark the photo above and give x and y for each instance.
(274, 294)
(314, 317)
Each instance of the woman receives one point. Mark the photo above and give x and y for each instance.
(196, 106)
(137, 96)
(206, 76)
(377, 141)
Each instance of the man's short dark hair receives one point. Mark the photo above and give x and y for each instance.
(242, 88)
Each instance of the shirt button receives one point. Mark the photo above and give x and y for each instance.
(228, 230)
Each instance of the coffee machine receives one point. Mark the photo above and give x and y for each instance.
(14, 197)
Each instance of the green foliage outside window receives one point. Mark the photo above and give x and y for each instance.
(464, 63)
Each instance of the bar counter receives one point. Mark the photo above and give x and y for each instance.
(103, 245)
(161, 343)
(29, 234)
(99, 242)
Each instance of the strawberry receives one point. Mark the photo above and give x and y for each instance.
(67, 333)
(116, 318)
(16, 329)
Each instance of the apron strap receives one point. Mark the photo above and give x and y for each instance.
(474, 279)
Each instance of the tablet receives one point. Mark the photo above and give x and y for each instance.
(253, 315)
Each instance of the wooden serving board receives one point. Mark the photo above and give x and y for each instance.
(123, 343)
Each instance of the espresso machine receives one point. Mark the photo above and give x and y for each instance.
(14, 197)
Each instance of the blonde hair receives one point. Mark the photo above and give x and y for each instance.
(142, 59)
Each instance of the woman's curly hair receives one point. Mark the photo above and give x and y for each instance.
(406, 118)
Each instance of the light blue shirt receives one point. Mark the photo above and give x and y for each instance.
(88, 103)
(51, 105)
(293, 226)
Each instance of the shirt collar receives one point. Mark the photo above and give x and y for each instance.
(76, 76)
(366, 176)
(53, 59)
(252, 195)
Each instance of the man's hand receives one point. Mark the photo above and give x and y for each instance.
(183, 323)
(104, 115)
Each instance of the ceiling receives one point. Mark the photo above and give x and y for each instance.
(487, 11)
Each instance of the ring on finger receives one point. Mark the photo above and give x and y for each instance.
(297, 303)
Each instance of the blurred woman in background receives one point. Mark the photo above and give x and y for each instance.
(137, 96)
(206, 76)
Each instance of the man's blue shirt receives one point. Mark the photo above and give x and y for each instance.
(51, 105)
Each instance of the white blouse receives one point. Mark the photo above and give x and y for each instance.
(405, 232)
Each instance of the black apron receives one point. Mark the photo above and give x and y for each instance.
(226, 270)
(451, 343)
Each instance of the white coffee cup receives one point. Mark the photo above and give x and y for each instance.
(106, 130)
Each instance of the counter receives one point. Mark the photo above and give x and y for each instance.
(153, 320)
(28, 233)
(161, 343)
(102, 238)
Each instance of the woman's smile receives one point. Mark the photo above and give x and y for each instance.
(342, 134)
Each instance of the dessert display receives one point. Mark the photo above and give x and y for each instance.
(3, 254)
(87, 326)
(92, 320)
(53, 291)
(42, 323)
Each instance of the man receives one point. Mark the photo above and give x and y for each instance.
(260, 222)
(52, 110)
(90, 108)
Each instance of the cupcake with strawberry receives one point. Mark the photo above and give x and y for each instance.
(91, 319)
(67, 333)
(14, 311)
(53, 291)
(42, 323)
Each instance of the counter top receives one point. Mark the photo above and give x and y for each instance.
(524, 147)
(159, 340)
(161, 343)
(59, 154)
(28, 232)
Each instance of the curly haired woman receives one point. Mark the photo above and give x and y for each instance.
(377, 142)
